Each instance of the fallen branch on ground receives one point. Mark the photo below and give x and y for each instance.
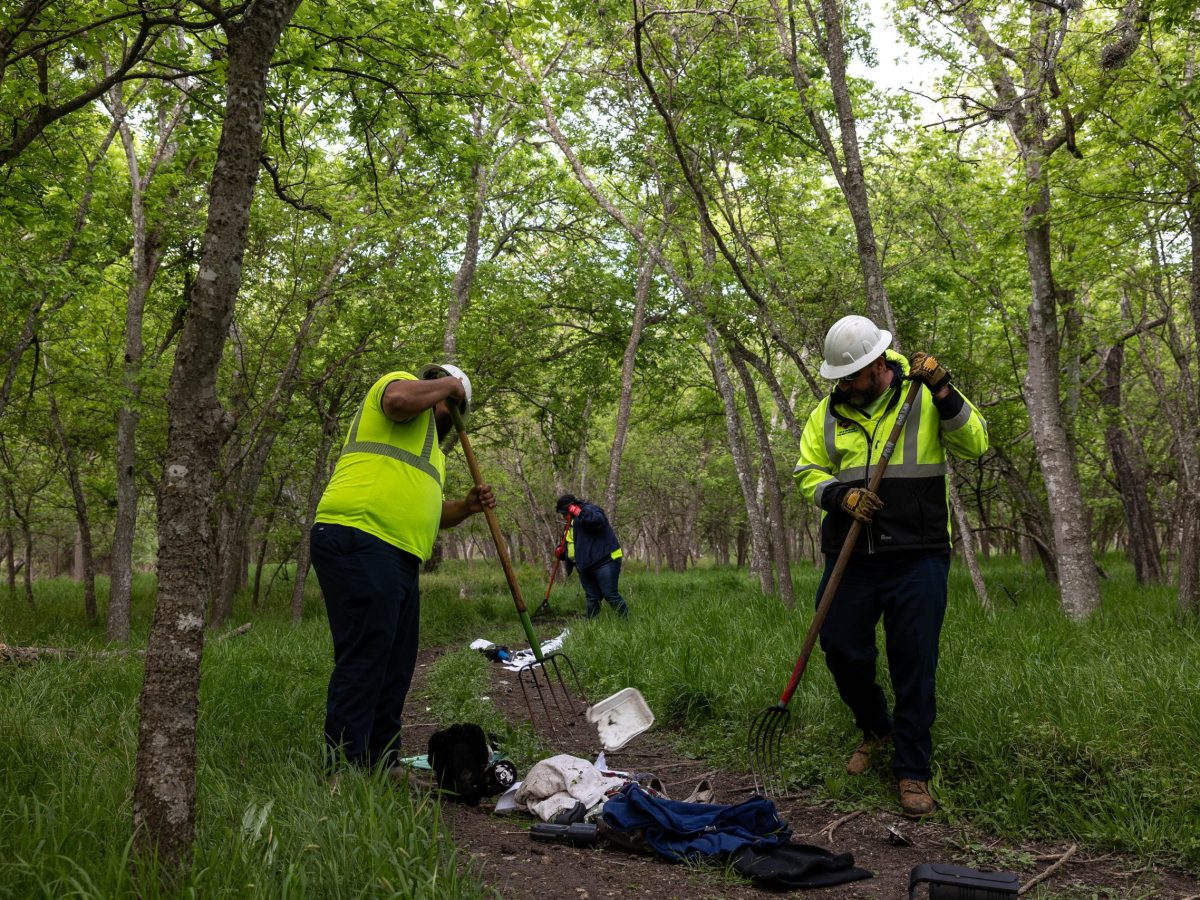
(1050, 871)
(33, 654)
(833, 826)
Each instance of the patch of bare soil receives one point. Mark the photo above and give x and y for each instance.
(498, 848)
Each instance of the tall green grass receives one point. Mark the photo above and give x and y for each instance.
(1046, 728)
(268, 823)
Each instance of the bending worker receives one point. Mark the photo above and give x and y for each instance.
(375, 526)
(590, 545)
(901, 561)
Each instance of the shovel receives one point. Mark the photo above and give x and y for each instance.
(767, 729)
(544, 679)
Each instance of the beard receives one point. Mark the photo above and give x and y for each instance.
(864, 396)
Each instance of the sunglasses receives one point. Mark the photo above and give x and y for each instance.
(853, 376)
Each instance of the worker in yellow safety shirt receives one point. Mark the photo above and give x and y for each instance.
(900, 563)
(375, 525)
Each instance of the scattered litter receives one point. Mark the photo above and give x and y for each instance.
(620, 718)
(515, 660)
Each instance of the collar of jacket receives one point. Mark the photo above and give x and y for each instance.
(899, 367)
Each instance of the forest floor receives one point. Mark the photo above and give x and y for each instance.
(499, 851)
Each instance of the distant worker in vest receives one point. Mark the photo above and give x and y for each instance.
(590, 545)
(901, 560)
(375, 525)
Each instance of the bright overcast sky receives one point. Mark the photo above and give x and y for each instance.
(899, 66)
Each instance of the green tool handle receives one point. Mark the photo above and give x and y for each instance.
(497, 537)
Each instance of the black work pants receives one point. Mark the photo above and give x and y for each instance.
(910, 595)
(373, 601)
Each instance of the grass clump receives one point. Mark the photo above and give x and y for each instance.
(268, 822)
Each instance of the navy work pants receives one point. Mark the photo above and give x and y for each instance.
(910, 595)
(373, 601)
(602, 582)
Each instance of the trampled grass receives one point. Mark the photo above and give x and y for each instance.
(1047, 729)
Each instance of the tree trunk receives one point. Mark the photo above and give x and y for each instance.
(250, 460)
(82, 519)
(145, 257)
(316, 486)
(1079, 588)
(1189, 533)
(773, 491)
(164, 798)
(966, 539)
(624, 405)
(760, 563)
(1131, 482)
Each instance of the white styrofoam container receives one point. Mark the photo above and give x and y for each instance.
(620, 718)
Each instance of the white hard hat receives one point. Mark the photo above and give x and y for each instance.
(850, 344)
(437, 370)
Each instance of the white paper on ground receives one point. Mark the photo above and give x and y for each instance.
(524, 657)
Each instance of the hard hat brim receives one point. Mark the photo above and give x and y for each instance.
(833, 373)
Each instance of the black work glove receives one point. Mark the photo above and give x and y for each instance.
(861, 503)
(926, 368)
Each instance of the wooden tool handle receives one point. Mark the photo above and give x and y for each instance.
(839, 567)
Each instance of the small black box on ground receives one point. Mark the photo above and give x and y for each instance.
(948, 882)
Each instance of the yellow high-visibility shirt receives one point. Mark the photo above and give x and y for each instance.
(389, 477)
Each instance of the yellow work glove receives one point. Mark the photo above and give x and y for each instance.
(926, 368)
(861, 503)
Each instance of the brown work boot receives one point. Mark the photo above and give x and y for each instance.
(860, 759)
(915, 801)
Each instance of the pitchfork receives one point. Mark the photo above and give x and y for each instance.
(767, 729)
(545, 676)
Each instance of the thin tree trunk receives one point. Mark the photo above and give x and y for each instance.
(145, 256)
(625, 404)
(772, 489)
(1079, 588)
(316, 486)
(164, 797)
(966, 538)
(82, 519)
(1131, 483)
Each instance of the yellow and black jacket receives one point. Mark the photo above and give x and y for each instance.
(841, 444)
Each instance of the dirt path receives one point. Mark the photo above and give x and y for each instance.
(498, 847)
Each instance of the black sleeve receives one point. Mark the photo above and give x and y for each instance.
(950, 405)
(831, 497)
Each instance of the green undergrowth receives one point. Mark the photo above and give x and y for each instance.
(1047, 729)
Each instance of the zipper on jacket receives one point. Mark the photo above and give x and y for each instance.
(871, 446)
